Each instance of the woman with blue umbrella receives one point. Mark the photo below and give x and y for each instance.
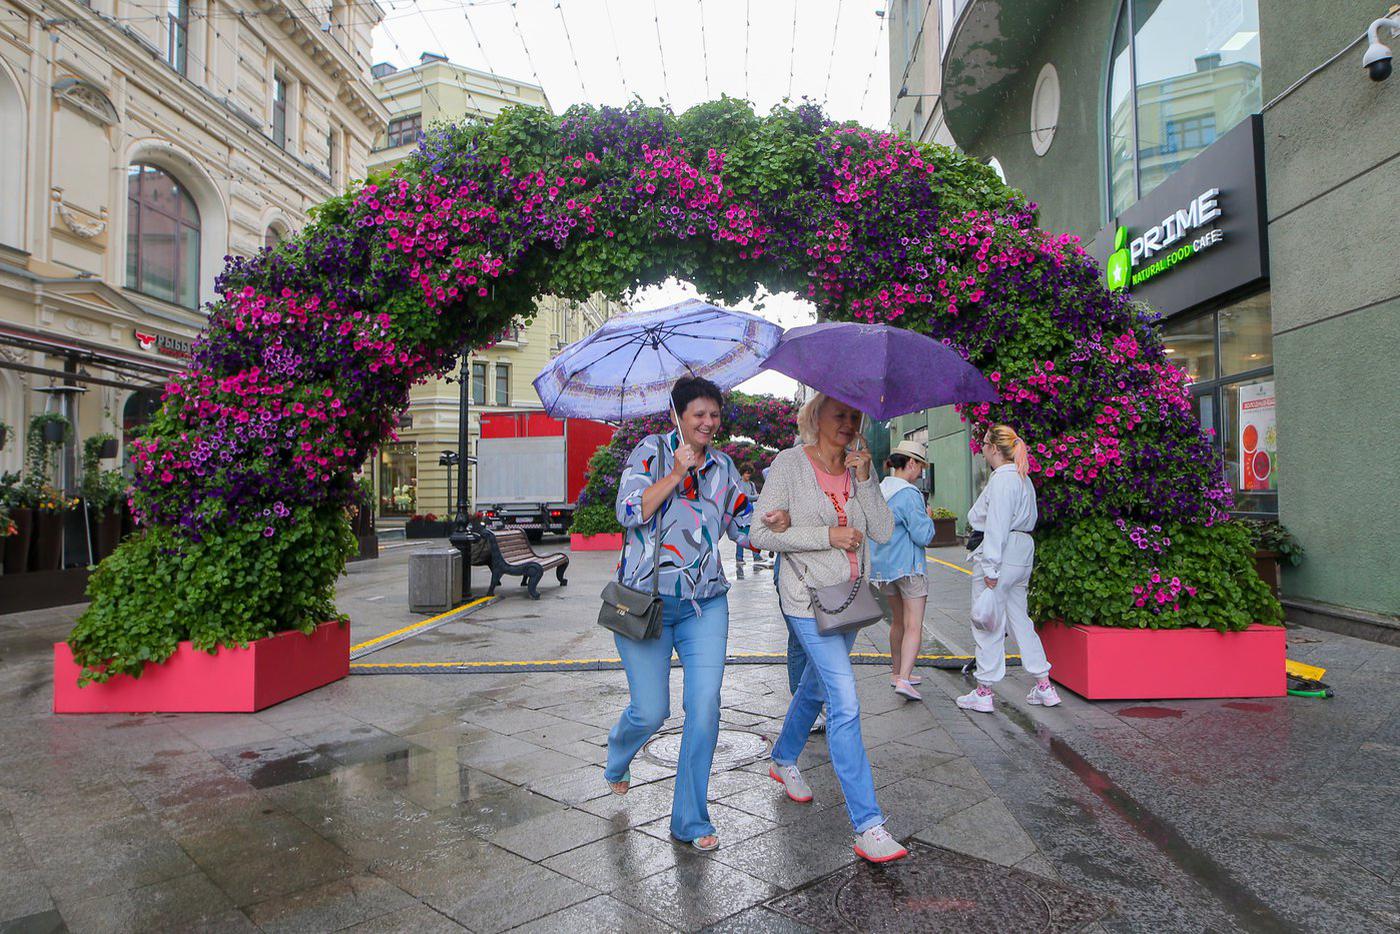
(677, 498)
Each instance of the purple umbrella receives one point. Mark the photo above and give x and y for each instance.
(883, 371)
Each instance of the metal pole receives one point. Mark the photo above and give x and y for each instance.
(464, 534)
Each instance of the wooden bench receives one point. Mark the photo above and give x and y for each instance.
(511, 554)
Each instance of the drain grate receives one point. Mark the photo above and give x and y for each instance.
(736, 748)
(933, 889)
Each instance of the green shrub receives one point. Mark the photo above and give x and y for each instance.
(596, 519)
(1180, 575)
(236, 585)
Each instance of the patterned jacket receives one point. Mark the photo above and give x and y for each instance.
(689, 523)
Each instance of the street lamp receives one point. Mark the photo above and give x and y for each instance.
(464, 533)
(448, 459)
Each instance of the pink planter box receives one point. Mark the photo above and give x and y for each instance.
(610, 541)
(1105, 663)
(235, 680)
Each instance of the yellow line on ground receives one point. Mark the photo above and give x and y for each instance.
(419, 625)
(947, 564)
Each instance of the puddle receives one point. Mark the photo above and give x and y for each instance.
(1151, 713)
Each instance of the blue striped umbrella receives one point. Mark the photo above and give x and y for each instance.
(626, 368)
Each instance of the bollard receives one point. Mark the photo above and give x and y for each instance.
(434, 580)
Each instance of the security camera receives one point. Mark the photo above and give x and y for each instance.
(1377, 60)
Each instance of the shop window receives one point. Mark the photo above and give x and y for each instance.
(503, 384)
(1228, 353)
(162, 237)
(1181, 73)
(1190, 345)
(138, 410)
(398, 479)
(478, 384)
(1246, 336)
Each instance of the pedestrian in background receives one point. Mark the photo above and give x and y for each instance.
(1005, 514)
(746, 485)
(828, 490)
(899, 567)
(694, 493)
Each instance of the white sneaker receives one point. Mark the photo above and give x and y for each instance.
(877, 846)
(1048, 697)
(982, 703)
(792, 781)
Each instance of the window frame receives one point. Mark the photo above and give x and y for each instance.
(281, 107)
(394, 133)
(502, 374)
(482, 368)
(177, 47)
(137, 208)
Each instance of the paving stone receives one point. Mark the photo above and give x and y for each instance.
(549, 834)
(190, 902)
(417, 919)
(794, 854)
(482, 886)
(617, 860)
(78, 862)
(695, 893)
(732, 825)
(331, 906)
(602, 913)
(274, 855)
(986, 830)
(573, 787)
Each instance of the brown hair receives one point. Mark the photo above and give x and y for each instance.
(1011, 446)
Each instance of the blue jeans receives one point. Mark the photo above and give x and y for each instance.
(796, 657)
(700, 643)
(828, 679)
(739, 554)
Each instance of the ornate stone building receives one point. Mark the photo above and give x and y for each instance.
(140, 143)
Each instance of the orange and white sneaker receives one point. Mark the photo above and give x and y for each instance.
(792, 781)
(877, 846)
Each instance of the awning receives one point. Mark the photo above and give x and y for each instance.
(154, 370)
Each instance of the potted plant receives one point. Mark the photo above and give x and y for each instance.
(426, 526)
(1273, 544)
(595, 528)
(945, 527)
(49, 428)
(46, 549)
(15, 500)
(103, 492)
(4, 435)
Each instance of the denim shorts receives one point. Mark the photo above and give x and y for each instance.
(912, 586)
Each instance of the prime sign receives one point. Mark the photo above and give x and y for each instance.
(1132, 263)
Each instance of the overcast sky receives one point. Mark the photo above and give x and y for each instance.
(834, 52)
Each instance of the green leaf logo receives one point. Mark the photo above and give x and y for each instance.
(1119, 262)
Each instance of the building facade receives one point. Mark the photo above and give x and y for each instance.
(409, 476)
(1228, 161)
(141, 143)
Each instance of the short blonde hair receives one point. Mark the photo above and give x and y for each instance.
(807, 417)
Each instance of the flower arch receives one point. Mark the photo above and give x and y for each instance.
(310, 351)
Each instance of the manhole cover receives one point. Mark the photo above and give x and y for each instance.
(736, 748)
(934, 889)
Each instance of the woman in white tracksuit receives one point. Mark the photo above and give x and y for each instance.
(1005, 514)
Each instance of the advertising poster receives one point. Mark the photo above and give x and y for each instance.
(1258, 437)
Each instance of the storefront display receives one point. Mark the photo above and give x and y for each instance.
(398, 479)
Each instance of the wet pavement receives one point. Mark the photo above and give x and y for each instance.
(450, 801)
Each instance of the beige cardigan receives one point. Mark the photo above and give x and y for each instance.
(792, 485)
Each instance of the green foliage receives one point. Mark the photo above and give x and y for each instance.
(597, 519)
(100, 489)
(40, 455)
(941, 512)
(1268, 535)
(1090, 572)
(231, 588)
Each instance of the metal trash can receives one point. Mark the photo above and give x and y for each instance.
(434, 580)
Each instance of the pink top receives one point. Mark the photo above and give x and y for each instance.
(837, 488)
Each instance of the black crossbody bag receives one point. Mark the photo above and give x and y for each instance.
(629, 612)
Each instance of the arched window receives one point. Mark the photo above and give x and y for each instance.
(274, 235)
(162, 237)
(1181, 73)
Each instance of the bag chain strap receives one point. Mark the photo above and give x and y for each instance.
(855, 588)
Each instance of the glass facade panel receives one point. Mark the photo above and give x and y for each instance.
(1246, 336)
(1190, 74)
(1190, 345)
(1121, 179)
(279, 111)
(1249, 443)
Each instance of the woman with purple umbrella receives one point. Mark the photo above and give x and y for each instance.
(831, 497)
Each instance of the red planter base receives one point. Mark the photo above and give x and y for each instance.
(267, 672)
(1105, 663)
(609, 541)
